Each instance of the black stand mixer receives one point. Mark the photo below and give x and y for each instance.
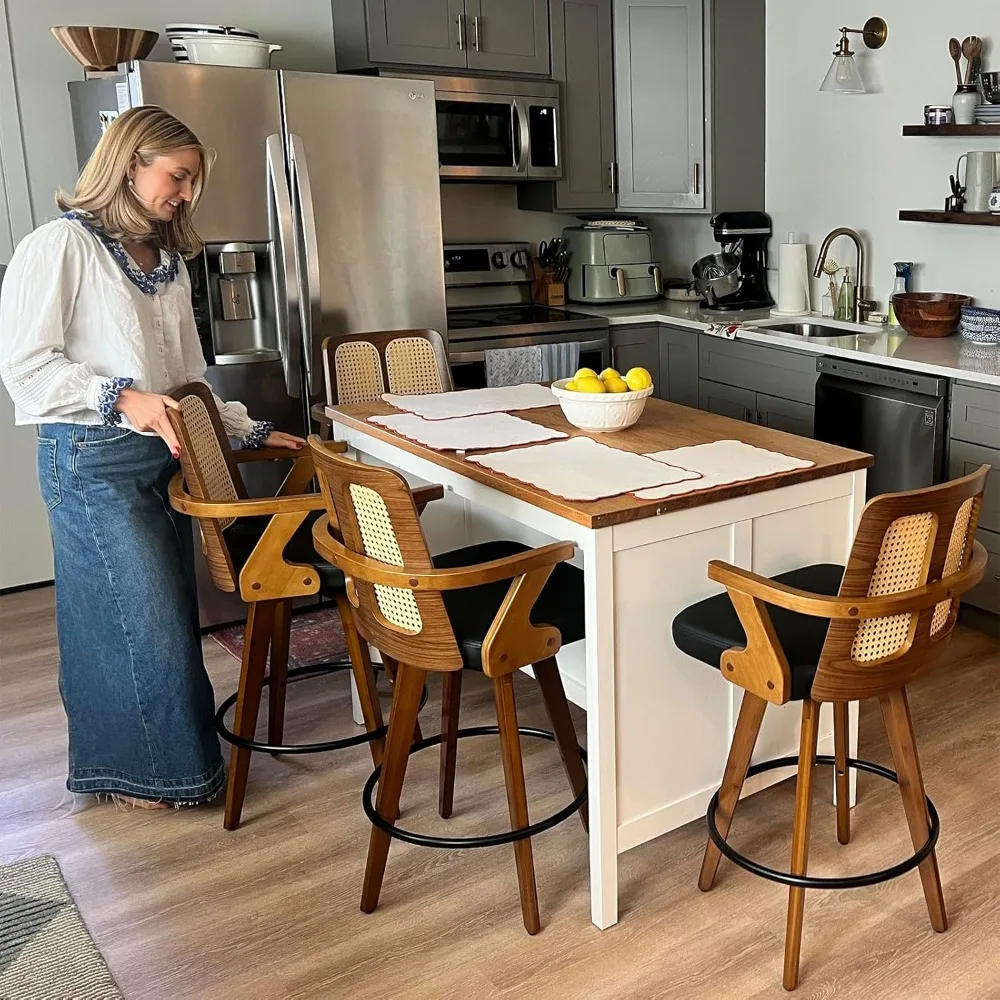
(737, 277)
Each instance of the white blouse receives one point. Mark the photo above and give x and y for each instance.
(73, 326)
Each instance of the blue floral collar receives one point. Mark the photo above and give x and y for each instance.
(163, 273)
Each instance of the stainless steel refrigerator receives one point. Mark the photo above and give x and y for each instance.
(322, 216)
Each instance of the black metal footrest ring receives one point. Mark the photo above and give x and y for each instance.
(815, 881)
(487, 840)
(299, 674)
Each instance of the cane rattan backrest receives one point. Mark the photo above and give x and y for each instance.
(210, 472)
(904, 541)
(376, 517)
(360, 367)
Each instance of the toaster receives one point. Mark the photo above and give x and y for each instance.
(612, 263)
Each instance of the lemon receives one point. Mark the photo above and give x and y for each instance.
(570, 385)
(638, 378)
(608, 373)
(589, 383)
(584, 372)
(615, 384)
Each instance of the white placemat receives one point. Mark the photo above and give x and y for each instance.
(720, 463)
(469, 402)
(484, 430)
(581, 469)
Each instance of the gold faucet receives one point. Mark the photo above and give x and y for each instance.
(862, 306)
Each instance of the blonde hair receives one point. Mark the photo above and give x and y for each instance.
(103, 191)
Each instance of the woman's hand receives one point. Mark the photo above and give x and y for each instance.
(279, 439)
(147, 411)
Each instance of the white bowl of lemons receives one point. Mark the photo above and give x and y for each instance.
(603, 402)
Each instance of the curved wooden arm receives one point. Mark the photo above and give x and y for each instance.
(184, 503)
(423, 495)
(245, 455)
(372, 571)
(844, 608)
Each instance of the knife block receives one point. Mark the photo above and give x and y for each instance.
(545, 290)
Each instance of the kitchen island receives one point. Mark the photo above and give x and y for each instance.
(659, 724)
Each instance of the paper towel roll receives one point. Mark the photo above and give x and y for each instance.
(793, 278)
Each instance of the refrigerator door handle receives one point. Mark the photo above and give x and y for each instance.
(310, 304)
(283, 265)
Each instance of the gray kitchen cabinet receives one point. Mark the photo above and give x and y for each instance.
(660, 97)
(987, 594)
(726, 400)
(775, 371)
(417, 32)
(678, 375)
(508, 36)
(636, 347)
(690, 104)
(582, 64)
(975, 414)
(964, 458)
(785, 414)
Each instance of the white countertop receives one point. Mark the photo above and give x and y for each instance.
(951, 357)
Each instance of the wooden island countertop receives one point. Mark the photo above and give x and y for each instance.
(662, 425)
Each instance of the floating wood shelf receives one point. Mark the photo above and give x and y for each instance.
(966, 131)
(952, 218)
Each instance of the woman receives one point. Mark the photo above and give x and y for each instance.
(96, 326)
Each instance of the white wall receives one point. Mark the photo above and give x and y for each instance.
(835, 160)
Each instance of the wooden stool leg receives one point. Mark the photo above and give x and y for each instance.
(841, 750)
(800, 840)
(451, 703)
(364, 677)
(557, 707)
(744, 740)
(256, 639)
(899, 729)
(517, 798)
(406, 694)
(391, 666)
(277, 671)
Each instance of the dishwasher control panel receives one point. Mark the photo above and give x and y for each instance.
(931, 385)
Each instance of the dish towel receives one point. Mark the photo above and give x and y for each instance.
(513, 366)
(560, 360)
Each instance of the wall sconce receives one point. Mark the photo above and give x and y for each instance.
(843, 76)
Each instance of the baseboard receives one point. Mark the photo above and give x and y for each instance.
(21, 588)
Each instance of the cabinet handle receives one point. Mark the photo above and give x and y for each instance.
(697, 178)
(461, 31)
(760, 418)
(475, 33)
(746, 414)
(613, 176)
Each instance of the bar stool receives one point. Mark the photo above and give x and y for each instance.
(264, 547)
(824, 633)
(477, 608)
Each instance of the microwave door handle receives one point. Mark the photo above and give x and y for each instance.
(283, 264)
(519, 124)
(310, 306)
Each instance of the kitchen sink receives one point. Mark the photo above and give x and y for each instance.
(810, 330)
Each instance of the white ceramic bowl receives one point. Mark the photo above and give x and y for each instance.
(211, 50)
(600, 412)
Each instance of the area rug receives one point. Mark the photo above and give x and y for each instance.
(317, 637)
(45, 950)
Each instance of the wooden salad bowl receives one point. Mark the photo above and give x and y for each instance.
(929, 314)
(102, 49)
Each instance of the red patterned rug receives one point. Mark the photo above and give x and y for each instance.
(317, 637)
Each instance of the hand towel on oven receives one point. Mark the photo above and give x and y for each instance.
(513, 366)
(560, 360)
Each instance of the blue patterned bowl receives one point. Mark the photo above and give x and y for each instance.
(980, 325)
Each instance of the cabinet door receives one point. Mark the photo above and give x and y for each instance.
(417, 32)
(678, 378)
(636, 347)
(965, 458)
(987, 594)
(508, 36)
(789, 374)
(726, 400)
(785, 415)
(581, 62)
(660, 103)
(975, 414)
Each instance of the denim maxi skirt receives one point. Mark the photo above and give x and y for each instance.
(139, 702)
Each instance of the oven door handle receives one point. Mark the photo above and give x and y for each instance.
(472, 357)
(521, 136)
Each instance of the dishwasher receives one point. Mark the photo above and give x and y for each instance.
(897, 416)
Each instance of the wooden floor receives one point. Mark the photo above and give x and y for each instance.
(182, 909)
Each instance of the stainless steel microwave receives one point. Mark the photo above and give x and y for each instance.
(496, 129)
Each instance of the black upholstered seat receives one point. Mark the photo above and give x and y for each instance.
(707, 629)
(245, 532)
(472, 610)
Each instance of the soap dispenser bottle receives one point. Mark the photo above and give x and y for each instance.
(846, 298)
(904, 269)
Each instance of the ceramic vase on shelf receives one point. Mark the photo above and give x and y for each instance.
(963, 104)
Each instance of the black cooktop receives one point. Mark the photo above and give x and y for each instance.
(493, 317)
